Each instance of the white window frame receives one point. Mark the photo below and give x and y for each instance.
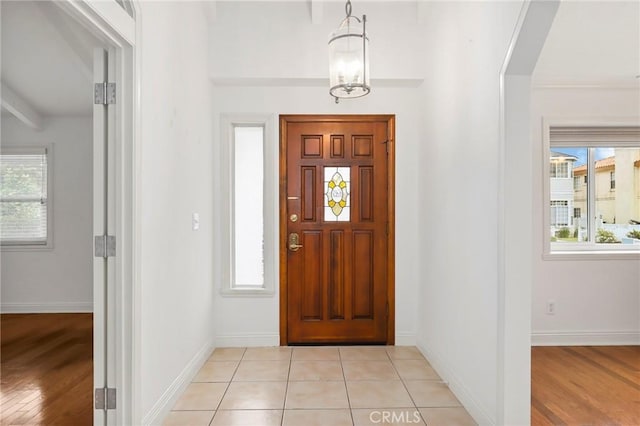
(228, 123)
(564, 165)
(612, 181)
(580, 133)
(560, 207)
(577, 182)
(25, 150)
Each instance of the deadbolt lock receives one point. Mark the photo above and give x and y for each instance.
(293, 217)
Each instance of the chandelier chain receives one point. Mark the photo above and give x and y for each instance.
(347, 8)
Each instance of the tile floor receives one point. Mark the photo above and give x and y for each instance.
(324, 386)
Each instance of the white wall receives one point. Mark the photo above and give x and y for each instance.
(267, 58)
(255, 320)
(447, 162)
(597, 301)
(277, 39)
(176, 179)
(458, 197)
(59, 279)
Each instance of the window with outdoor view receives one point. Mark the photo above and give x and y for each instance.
(24, 197)
(594, 189)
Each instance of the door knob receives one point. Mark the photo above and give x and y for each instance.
(294, 239)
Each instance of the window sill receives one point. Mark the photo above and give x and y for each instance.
(592, 255)
(247, 292)
(25, 247)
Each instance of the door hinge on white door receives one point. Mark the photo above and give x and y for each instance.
(105, 246)
(105, 399)
(104, 93)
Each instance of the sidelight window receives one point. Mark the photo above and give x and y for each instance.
(249, 206)
(248, 223)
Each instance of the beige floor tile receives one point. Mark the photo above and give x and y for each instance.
(387, 416)
(216, 371)
(315, 370)
(397, 377)
(276, 353)
(254, 396)
(449, 416)
(201, 396)
(262, 371)
(317, 418)
(227, 354)
(307, 353)
(404, 352)
(316, 395)
(363, 353)
(247, 418)
(380, 393)
(415, 369)
(427, 393)
(188, 418)
(369, 370)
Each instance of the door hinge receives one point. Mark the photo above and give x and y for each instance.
(105, 399)
(104, 93)
(105, 246)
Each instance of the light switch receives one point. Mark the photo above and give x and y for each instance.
(195, 221)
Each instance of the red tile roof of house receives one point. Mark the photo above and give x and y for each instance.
(600, 164)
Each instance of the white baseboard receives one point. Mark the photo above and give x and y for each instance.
(405, 339)
(46, 308)
(269, 339)
(161, 408)
(585, 338)
(248, 340)
(479, 413)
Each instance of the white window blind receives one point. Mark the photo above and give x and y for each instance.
(24, 196)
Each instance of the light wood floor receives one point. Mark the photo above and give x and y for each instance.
(585, 385)
(46, 368)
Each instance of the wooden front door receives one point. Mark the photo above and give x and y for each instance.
(336, 229)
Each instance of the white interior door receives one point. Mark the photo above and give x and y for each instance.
(105, 401)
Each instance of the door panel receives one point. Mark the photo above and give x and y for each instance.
(99, 228)
(336, 182)
(104, 269)
(111, 229)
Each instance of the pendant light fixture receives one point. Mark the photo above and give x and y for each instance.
(349, 58)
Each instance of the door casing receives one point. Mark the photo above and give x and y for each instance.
(117, 32)
(390, 119)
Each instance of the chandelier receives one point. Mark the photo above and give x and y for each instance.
(349, 58)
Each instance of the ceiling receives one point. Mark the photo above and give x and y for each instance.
(47, 57)
(592, 42)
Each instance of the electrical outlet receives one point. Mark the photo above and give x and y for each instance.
(551, 307)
